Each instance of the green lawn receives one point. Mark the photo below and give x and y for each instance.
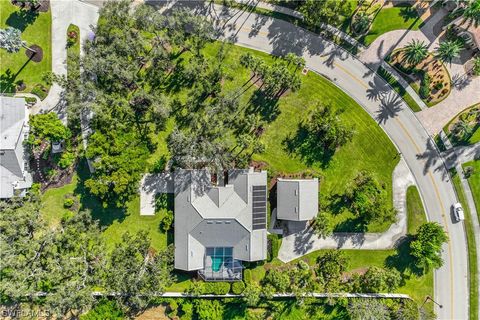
(472, 251)
(417, 286)
(36, 29)
(340, 171)
(394, 18)
(416, 213)
(474, 182)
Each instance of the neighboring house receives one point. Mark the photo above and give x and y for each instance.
(297, 199)
(14, 175)
(219, 226)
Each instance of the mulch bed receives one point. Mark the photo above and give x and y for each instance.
(35, 56)
(434, 68)
(21, 86)
(44, 6)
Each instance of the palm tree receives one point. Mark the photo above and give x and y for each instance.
(361, 23)
(462, 129)
(415, 51)
(471, 13)
(10, 40)
(447, 50)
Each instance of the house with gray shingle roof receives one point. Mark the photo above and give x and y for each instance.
(14, 177)
(297, 199)
(219, 226)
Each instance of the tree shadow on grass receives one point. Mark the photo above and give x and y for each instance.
(265, 106)
(21, 19)
(105, 215)
(7, 82)
(235, 310)
(407, 12)
(402, 260)
(357, 224)
(304, 145)
(7, 79)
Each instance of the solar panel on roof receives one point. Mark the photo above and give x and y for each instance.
(259, 207)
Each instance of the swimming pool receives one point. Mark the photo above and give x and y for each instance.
(216, 263)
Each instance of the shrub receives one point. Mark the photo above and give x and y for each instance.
(66, 160)
(167, 221)
(72, 37)
(173, 306)
(30, 100)
(425, 86)
(105, 309)
(216, 288)
(247, 276)
(40, 90)
(273, 246)
(238, 287)
(438, 85)
(68, 203)
(468, 171)
(187, 310)
(424, 92)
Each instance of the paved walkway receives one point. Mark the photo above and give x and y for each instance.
(302, 240)
(271, 7)
(459, 155)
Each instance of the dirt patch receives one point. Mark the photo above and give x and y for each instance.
(348, 275)
(35, 53)
(440, 82)
(155, 313)
(21, 86)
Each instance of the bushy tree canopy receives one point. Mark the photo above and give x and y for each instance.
(426, 247)
(48, 126)
(369, 200)
(326, 11)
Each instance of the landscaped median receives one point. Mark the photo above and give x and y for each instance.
(412, 104)
(427, 76)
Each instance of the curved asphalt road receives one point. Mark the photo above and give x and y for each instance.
(278, 37)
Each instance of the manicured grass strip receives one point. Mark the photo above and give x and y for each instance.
(472, 252)
(15, 67)
(394, 18)
(474, 182)
(415, 212)
(412, 104)
(73, 48)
